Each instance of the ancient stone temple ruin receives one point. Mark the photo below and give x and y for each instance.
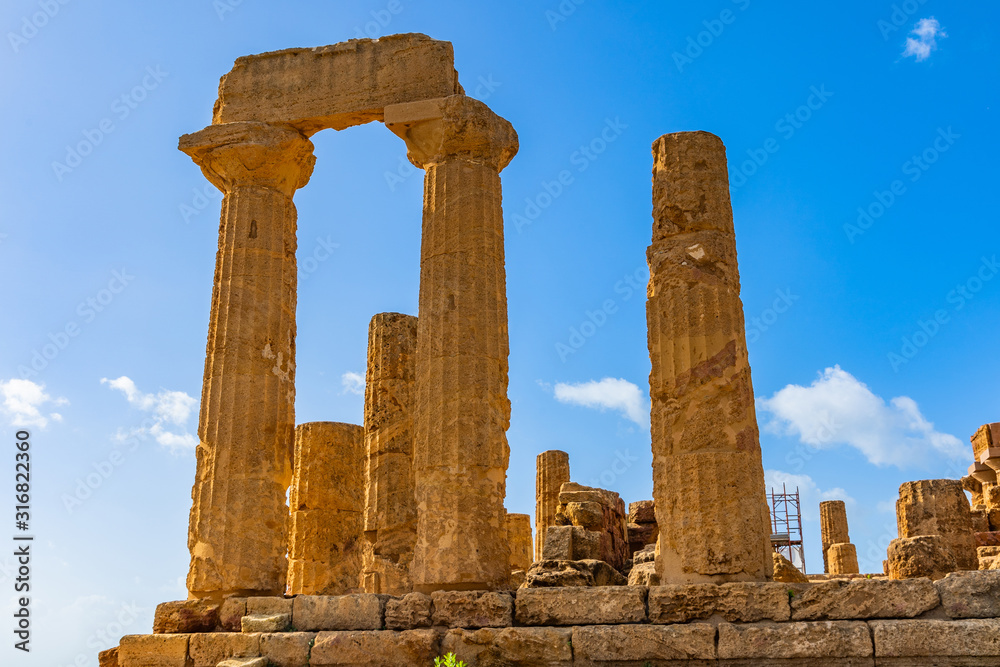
(379, 558)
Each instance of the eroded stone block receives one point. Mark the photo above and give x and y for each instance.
(361, 611)
(186, 616)
(208, 650)
(551, 647)
(411, 611)
(266, 623)
(154, 651)
(961, 640)
(863, 599)
(581, 605)
(735, 602)
(823, 639)
(287, 649)
(375, 648)
(970, 594)
(635, 644)
(471, 609)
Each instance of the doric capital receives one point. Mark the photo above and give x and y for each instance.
(251, 154)
(452, 127)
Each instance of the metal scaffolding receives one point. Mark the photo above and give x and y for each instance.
(786, 526)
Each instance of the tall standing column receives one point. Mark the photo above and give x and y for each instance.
(708, 481)
(551, 472)
(461, 412)
(238, 531)
(832, 526)
(390, 507)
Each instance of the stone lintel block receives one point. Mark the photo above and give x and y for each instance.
(973, 594)
(581, 605)
(154, 651)
(186, 616)
(471, 609)
(636, 644)
(360, 611)
(231, 614)
(837, 599)
(786, 641)
(267, 606)
(743, 602)
(287, 649)
(208, 650)
(552, 647)
(642, 511)
(962, 640)
(266, 622)
(375, 648)
(411, 611)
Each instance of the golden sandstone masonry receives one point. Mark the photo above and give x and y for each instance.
(327, 500)
(390, 524)
(551, 472)
(839, 555)
(708, 481)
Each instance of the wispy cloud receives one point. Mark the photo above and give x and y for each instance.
(353, 383)
(167, 410)
(23, 401)
(838, 409)
(923, 39)
(608, 394)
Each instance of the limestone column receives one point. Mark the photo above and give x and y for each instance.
(938, 507)
(843, 558)
(461, 411)
(832, 526)
(551, 472)
(708, 481)
(390, 507)
(327, 500)
(519, 536)
(238, 523)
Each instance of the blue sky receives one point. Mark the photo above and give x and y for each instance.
(861, 152)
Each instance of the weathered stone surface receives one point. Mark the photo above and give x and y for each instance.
(923, 556)
(708, 481)
(823, 639)
(266, 623)
(744, 602)
(519, 537)
(842, 558)
(572, 543)
(208, 650)
(962, 641)
(336, 86)
(551, 472)
(471, 609)
(863, 599)
(511, 646)
(938, 507)
(186, 616)
(338, 612)
(980, 521)
(408, 612)
(390, 506)
(231, 614)
(327, 501)
(988, 539)
(785, 572)
(641, 535)
(244, 662)
(549, 573)
(154, 651)
(983, 440)
(108, 658)
(833, 526)
(970, 594)
(267, 606)
(600, 514)
(461, 411)
(581, 605)
(375, 649)
(642, 511)
(287, 649)
(635, 644)
(238, 525)
(517, 579)
(643, 574)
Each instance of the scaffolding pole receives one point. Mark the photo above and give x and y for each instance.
(786, 526)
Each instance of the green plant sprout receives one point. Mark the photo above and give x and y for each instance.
(448, 660)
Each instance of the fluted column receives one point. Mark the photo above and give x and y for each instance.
(238, 524)
(708, 481)
(832, 526)
(461, 410)
(551, 472)
(390, 506)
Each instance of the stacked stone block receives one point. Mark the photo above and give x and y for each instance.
(551, 472)
(839, 555)
(934, 521)
(642, 528)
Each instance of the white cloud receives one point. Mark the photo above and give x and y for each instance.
(23, 401)
(607, 394)
(166, 408)
(353, 383)
(810, 495)
(924, 39)
(838, 409)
